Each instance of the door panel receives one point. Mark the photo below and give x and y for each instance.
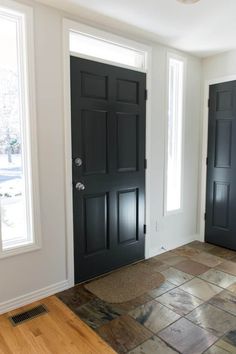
(128, 216)
(96, 231)
(127, 142)
(221, 170)
(94, 137)
(108, 134)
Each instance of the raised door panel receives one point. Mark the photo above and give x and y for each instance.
(224, 104)
(127, 142)
(127, 91)
(94, 86)
(223, 143)
(96, 229)
(221, 198)
(94, 138)
(127, 216)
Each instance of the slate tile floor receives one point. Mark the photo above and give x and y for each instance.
(192, 312)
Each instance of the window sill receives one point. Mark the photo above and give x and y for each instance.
(19, 250)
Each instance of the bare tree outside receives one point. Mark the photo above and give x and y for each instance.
(12, 211)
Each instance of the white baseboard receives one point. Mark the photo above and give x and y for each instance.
(33, 296)
(156, 251)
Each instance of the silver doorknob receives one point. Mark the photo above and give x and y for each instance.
(80, 186)
(78, 162)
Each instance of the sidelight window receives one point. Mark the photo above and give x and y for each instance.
(174, 134)
(18, 188)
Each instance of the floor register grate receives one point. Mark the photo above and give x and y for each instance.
(28, 315)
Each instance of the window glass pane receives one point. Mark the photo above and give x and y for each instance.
(97, 48)
(175, 126)
(14, 229)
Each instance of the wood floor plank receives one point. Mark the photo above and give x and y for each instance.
(59, 331)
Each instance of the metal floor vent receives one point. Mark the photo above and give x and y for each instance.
(28, 315)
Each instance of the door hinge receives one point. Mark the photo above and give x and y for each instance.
(144, 229)
(146, 94)
(145, 164)
(205, 216)
(207, 161)
(209, 102)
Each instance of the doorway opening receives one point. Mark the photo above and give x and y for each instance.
(134, 58)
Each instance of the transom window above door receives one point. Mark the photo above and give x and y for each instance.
(94, 47)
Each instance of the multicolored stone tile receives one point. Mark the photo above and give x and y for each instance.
(97, 313)
(124, 333)
(187, 338)
(130, 326)
(75, 297)
(166, 286)
(133, 304)
(230, 337)
(216, 350)
(232, 288)
(186, 251)
(219, 278)
(201, 246)
(171, 258)
(207, 259)
(201, 289)
(226, 347)
(213, 319)
(228, 267)
(153, 345)
(225, 301)
(191, 267)
(154, 316)
(175, 276)
(222, 252)
(179, 301)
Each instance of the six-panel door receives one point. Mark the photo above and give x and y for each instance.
(221, 170)
(108, 135)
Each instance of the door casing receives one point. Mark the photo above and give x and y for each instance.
(67, 27)
(203, 156)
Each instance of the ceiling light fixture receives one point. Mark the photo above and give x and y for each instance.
(188, 1)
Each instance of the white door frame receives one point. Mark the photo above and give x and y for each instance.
(79, 27)
(203, 174)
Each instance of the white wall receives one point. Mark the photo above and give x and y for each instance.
(219, 66)
(31, 272)
(174, 230)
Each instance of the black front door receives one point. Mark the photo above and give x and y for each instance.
(108, 147)
(221, 170)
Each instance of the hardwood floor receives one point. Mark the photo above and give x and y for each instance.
(59, 331)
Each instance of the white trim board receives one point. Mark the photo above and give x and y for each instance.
(203, 156)
(33, 296)
(74, 26)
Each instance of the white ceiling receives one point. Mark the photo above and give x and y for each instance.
(204, 29)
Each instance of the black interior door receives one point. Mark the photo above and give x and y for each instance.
(108, 146)
(221, 170)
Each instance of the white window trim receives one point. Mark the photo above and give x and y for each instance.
(68, 26)
(173, 55)
(30, 130)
